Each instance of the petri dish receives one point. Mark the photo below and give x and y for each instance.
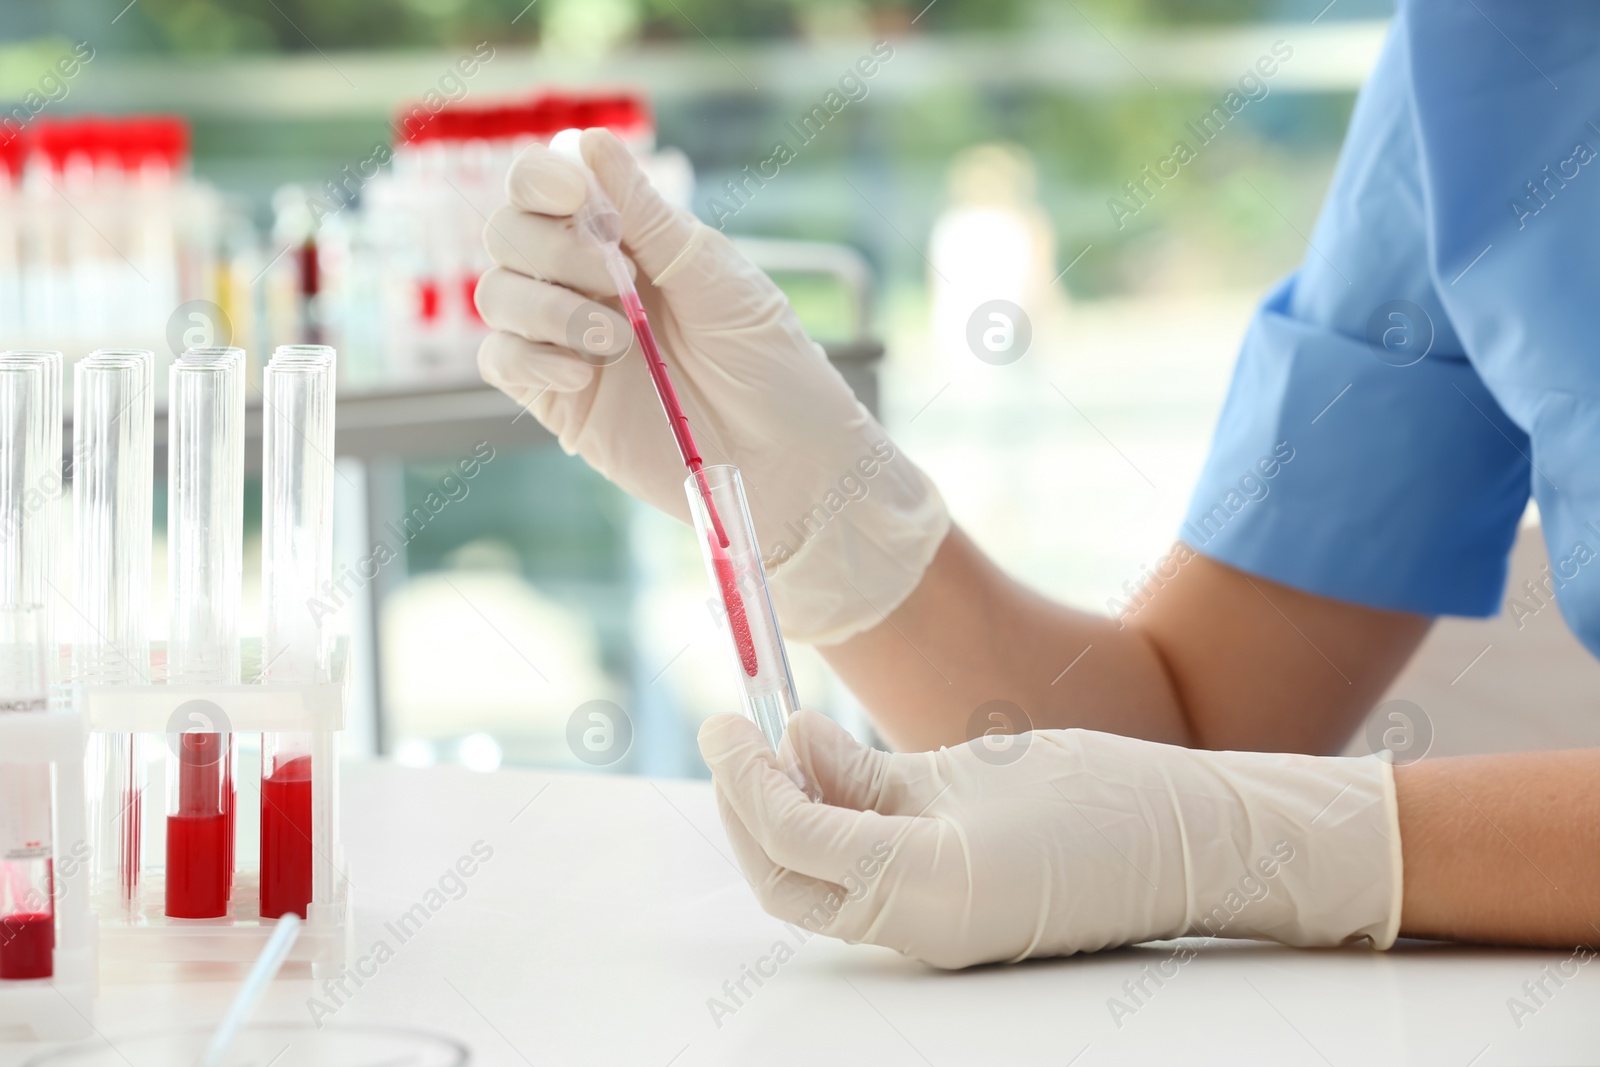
(259, 1044)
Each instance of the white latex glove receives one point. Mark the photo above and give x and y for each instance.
(1066, 841)
(847, 524)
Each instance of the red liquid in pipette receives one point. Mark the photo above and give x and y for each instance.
(738, 621)
(27, 946)
(286, 839)
(676, 419)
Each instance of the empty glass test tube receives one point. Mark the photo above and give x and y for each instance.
(760, 662)
(113, 435)
(22, 517)
(27, 899)
(30, 520)
(205, 513)
(297, 565)
(205, 549)
(113, 415)
(297, 474)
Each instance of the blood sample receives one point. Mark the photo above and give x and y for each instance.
(205, 509)
(286, 838)
(738, 621)
(27, 878)
(766, 684)
(296, 563)
(765, 681)
(428, 300)
(27, 945)
(199, 852)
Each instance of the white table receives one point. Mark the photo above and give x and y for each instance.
(610, 912)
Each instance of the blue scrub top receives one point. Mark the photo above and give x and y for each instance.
(1437, 354)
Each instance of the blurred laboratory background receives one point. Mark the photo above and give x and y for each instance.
(180, 172)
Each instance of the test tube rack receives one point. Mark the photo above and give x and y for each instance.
(135, 936)
(59, 1008)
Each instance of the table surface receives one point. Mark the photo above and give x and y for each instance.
(609, 914)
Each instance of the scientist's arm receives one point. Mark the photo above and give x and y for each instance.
(1502, 849)
(853, 528)
(1068, 841)
(1215, 658)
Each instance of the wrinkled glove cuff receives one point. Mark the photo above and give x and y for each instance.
(846, 565)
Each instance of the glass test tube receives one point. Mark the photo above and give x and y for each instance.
(205, 550)
(113, 417)
(760, 662)
(33, 516)
(27, 889)
(21, 464)
(297, 474)
(297, 563)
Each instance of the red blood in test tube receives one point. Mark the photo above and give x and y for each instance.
(27, 945)
(199, 852)
(197, 872)
(738, 621)
(428, 300)
(469, 292)
(310, 275)
(231, 798)
(286, 839)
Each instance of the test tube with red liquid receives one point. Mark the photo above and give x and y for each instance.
(716, 500)
(297, 563)
(27, 890)
(199, 825)
(27, 898)
(205, 550)
(285, 825)
(760, 661)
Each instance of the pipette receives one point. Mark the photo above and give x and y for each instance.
(766, 683)
(602, 222)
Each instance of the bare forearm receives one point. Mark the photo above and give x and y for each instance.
(1502, 849)
(1213, 658)
(969, 635)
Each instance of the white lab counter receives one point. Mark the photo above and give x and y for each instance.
(608, 913)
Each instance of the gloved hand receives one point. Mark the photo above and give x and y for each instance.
(1056, 842)
(847, 524)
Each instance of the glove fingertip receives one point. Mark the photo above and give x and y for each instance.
(606, 155)
(542, 182)
(517, 366)
(808, 724)
(722, 737)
